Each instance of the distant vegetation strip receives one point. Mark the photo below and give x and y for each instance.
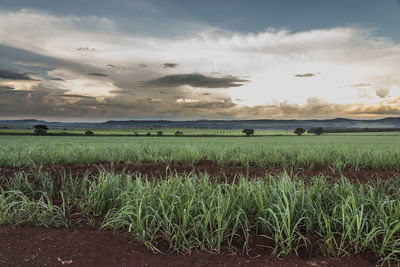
(186, 132)
(339, 152)
(193, 213)
(145, 132)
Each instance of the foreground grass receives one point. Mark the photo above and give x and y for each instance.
(356, 152)
(193, 212)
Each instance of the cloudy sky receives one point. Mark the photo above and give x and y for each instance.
(96, 60)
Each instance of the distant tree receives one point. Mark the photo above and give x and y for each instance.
(299, 131)
(40, 129)
(148, 134)
(178, 133)
(248, 132)
(135, 133)
(89, 133)
(159, 133)
(317, 130)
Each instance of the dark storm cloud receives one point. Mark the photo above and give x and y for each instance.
(11, 75)
(196, 80)
(305, 75)
(43, 102)
(170, 65)
(98, 74)
(11, 54)
(58, 79)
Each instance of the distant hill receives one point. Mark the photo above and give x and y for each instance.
(337, 123)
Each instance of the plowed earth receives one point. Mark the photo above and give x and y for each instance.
(30, 246)
(223, 174)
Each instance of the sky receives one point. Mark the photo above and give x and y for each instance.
(97, 60)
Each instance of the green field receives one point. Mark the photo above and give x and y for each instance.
(192, 212)
(144, 131)
(339, 151)
(172, 131)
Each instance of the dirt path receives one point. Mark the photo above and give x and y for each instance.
(28, 246)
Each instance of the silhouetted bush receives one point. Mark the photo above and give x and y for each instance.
(40, 129)
(317, 130)
(89, 133)
(248, 132)
(299, 131)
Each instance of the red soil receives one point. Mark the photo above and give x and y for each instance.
(216, 172)
(28, 246)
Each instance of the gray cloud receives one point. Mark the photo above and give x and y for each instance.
(170, 65)
(209, 105)
(382, 93)
(42, 102)
(117, 67)
(10, 54)
(76, 96)
(196, 80)
(360, 84)
(58, 79)
(6, 88)
(305, 75)
(11, 75)
(87, 49)
(131, 98)
(98, 74)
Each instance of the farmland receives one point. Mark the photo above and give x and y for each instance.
(152, 131)
(263, 198)
(338, 151)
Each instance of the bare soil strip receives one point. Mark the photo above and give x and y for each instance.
(29, 246)
(228, 174)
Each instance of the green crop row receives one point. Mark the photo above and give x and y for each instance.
(193, 213)
(339, 152)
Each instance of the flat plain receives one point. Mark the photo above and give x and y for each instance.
(330, 199)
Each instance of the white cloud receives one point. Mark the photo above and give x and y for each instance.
(343, 57)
